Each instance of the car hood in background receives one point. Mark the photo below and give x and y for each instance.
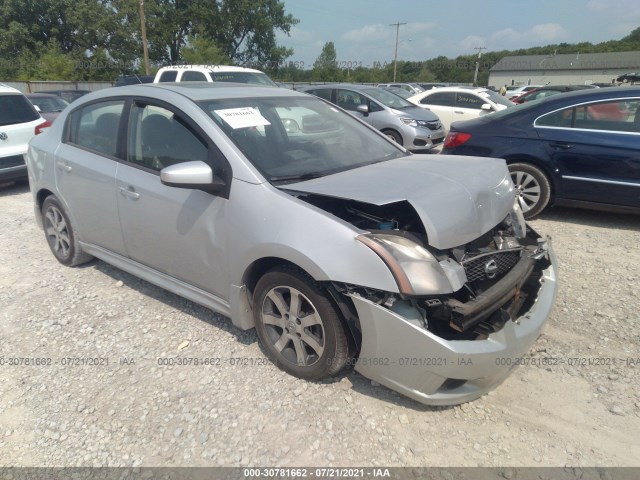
(457, 198)
(417, 113)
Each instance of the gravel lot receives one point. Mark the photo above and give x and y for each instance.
(577, 405)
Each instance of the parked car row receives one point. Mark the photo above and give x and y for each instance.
(400, 120)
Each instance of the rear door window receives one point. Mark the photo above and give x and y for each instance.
(15, 108)
(95, 127)
(446, 99)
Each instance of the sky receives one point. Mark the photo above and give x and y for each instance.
(362, 34)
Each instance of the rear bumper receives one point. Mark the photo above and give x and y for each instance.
(12, 168)
(434, 371)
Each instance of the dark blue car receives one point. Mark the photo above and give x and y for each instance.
(577, 149)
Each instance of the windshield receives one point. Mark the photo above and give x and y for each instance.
(291, 139)
(496, 98)
(257, 78)
(49, 104)
(389, 99)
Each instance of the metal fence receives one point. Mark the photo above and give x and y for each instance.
(39, 86)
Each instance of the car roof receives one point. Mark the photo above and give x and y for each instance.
(209, 68)
(6, 89)
(198, 91)
(352, 86)
(459, 88)
(41, 95)
(566, 99)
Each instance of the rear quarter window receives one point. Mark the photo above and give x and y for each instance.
(15, 108)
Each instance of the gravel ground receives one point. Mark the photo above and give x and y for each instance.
(579, 405)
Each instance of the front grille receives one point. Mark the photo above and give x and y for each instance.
(434, 125)
(12, 161)
(490, 265)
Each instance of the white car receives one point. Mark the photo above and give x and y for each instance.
(212, 73)
(452, 104)
(19, 122)
(520, 90)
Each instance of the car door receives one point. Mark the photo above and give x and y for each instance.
(85, 171)
(177, 231)
(442, 104)
(595, 148)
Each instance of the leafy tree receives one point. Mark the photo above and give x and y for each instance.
(203, 51)
(325, 68)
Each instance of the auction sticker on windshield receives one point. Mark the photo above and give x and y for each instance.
(242, 117)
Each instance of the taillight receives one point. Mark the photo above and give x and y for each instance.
(40, 128)
(455, 139)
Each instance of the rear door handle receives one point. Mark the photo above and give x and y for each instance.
(458, 112)
(129, 192)
(64, 166)
(561, 146)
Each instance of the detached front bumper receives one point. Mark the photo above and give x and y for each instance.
(434, 371)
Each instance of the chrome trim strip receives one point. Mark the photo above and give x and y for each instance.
(595, 180)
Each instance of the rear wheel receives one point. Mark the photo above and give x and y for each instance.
(60, 234)
(298, 327)
(533, 190)
(395, 136)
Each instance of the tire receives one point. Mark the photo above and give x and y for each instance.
(395, 136)
(308, 343)
(61, 235)
(533, 189)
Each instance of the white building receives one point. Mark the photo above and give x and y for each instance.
(563, 69)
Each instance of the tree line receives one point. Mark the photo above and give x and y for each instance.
(84, 40)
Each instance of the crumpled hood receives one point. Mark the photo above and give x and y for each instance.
(457, 198)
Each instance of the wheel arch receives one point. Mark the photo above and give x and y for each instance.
(343, 303)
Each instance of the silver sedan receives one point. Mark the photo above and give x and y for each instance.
(290, 216)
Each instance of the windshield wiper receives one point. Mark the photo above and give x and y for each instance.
(302, 176)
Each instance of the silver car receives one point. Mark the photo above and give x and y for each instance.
(289, 216)
(403, 122)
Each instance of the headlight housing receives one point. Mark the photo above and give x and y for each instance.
(415, 269)
(412, 122)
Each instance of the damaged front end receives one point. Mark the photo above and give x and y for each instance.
(462, 315)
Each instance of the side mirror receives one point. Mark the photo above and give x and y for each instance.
(197, 175)
(486, 107)
(364, 109)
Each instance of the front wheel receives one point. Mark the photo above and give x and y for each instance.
(298, 327)
(395, 136)
(533, 190)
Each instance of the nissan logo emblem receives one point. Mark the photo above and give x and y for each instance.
(491, 268)
(3, 136)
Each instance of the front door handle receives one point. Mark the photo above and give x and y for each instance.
(64, 166)
(456, 111)
(561, 146)
(129, 192)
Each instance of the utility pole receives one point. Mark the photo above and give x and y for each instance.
(144, 38)
(475, 75)
(395, 57)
